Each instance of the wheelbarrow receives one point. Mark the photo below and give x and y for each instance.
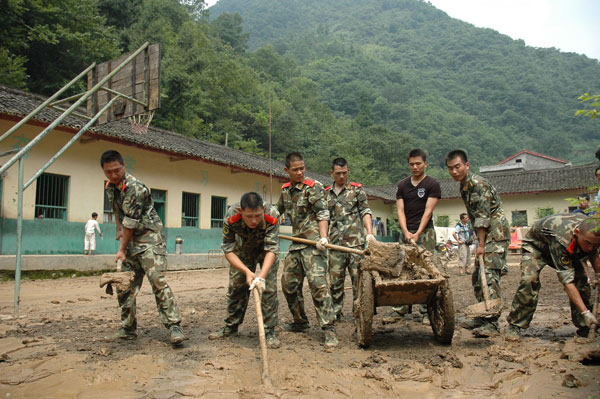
(392, 274)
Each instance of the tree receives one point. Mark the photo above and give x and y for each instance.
(595, 102)
(52, 41)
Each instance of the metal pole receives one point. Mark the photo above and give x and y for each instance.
(45, 103)
(76, 104)
(70, 142)
(270, 156)
(19, 235)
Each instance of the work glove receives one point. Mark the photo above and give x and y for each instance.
(371, 237)
(258, 283)
(321, 244)
(589, 319)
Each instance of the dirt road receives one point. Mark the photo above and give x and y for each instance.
(56, 349)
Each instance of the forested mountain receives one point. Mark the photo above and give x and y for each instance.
(364, 79)
(416, 71)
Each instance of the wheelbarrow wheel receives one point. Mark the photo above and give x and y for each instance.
(441, 314)
(364, 308)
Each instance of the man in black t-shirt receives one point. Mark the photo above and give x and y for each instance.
(416, 198)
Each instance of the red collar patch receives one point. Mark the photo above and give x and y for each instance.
(355, 184)
(234, 218)
(309, 183)
(328, 188)
(122, 188)
(286, 185)
(270, 219)
(572, 246)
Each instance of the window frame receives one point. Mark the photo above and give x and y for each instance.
(216, 221)
(194, 219)
(46, 209)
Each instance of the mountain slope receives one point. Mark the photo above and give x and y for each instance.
(407, 66)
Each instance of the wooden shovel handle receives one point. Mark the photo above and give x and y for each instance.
(330, 246)
(482, 276)
(265, 376)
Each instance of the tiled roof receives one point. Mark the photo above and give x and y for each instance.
(18, 104)
(535, 181)
(532, 153)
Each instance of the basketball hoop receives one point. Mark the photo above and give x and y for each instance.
(140, 122)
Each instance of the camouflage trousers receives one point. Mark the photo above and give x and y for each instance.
(427, 240)
(338, 263)
(151, 264)
(238, 295)
(495, 268)
(526, 298)
(312, 264)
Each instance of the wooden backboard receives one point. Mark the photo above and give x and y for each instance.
(140, 80)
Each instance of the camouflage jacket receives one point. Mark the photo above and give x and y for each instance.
(484, 207)
(132, 203)
(305, 205)
(250, 243)
(554, 237)
(346, 211)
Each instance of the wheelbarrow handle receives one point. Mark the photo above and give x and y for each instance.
(330, 246)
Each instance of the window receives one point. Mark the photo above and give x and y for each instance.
(109, 215)
(519, 218)
(218, 207)
(160, 199)
(51, 196)
(190, 210)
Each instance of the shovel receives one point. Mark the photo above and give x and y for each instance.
(592, 333)
(490, 307)
(330, 246)
(265, 377)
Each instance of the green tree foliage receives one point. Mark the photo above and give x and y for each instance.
(47, 43)
(368, 80)
(441, 80)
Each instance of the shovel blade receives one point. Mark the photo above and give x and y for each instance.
(492, 307)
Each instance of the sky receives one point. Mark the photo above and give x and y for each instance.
(568, 25)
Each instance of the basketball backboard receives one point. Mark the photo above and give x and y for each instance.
(140, 80)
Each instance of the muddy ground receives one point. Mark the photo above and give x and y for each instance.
(56, 349)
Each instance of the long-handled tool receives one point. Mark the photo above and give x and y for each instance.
(592, 333)
(489, 307)
(330, 246)
(265, 377)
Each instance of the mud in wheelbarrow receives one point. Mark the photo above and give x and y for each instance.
(393, 274)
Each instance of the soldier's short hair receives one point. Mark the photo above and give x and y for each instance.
(292, 157)
(251, 201)
(110, 156)
(456, 154)
(417, 152)
(462, 215)
(341, 162)
(590, 224)
(94, 214)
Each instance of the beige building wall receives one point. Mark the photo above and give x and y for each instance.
(525, 202)
(158, 171)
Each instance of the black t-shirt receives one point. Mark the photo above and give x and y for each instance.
(415, 199)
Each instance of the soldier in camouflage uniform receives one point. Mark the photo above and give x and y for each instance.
(304, 202)
(142, 248)
(562, 242)
(349, 215)
(493, 232)
(250, 237)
